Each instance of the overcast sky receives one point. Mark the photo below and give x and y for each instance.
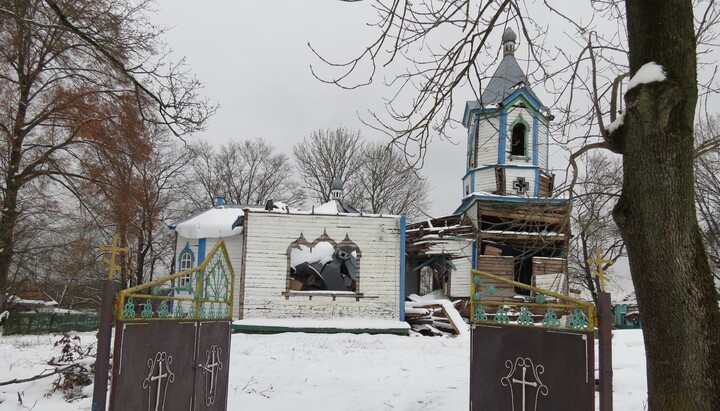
(253, 58)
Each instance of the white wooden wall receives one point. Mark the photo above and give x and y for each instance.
(268, 236)
(489, 130)
(461, 252)
(542, 145)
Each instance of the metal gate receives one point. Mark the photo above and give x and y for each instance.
(172, 340)
(529, 353)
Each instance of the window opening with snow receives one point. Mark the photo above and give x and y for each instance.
(323, 265)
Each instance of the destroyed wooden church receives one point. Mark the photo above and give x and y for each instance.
(509, 223)
(336, 262)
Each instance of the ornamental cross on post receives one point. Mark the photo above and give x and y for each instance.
(599, 272)
(114, 249)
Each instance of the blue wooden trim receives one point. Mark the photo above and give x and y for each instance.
(472, 182)
(536, 155)
(201, 250)
(527, 95)
(537, 182)
(402, 268)
(471, 141)
(503, 137)
(473, 259)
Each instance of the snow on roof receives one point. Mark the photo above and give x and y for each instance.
(214, 223)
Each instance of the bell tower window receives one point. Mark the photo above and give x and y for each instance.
(517, 142)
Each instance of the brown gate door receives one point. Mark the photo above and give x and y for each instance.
(172, 340)
(212, 365)
(533, 353)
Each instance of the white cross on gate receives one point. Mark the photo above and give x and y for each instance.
(524, 384)
(211, 367)
(159, 377)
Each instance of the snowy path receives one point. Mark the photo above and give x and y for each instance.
(312, 372)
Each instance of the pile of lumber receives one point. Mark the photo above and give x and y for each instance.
(435, 317)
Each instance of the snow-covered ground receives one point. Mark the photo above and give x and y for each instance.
(316, 372)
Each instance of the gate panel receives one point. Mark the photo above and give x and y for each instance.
(523, 368)
(150, 360)
(172, 344)
(213, 365)
(534, 353)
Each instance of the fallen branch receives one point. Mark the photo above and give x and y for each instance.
(42, 374)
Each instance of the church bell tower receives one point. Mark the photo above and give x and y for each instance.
(507, 143)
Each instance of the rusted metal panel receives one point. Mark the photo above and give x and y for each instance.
(524, 368)
(153, 360)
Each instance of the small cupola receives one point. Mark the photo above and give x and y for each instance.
(508, 40)
(336, 189)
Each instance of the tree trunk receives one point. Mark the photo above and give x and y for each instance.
(656, 213)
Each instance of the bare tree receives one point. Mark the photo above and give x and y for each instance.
(656, 211)
(59, 62)
(592, 222)
(707, 183)
(327, 154)
(385, 185)
(249, 172)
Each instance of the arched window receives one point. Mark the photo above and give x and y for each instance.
(186, 261)
(323, 265)
(517, 143)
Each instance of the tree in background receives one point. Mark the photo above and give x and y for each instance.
(593, 226)
(327, 154)
(59, 62)
(375, 176)
(707, 184)
(248, 172)
(385, 185)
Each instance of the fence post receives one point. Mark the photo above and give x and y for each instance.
(102, 361)
(605, 352)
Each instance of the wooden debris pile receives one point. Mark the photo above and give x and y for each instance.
(435, 317)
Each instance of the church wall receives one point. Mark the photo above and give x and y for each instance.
(268, 239)
(488, 141)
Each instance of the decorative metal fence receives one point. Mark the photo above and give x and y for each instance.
(204, 292)
(43, 323)
(542, 308)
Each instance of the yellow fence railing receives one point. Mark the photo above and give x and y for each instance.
(204, 292)
(541, 308)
